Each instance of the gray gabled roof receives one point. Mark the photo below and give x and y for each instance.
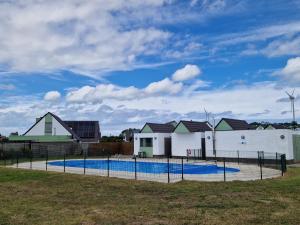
(195, 126)
(160, 127)
(236, 124)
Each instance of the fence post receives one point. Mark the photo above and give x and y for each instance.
(182, 168)
(260, 167)
(47, 160)
(108, 166)
(276, 162)
(64, 162)
(30, 161)
(224, 170)
(84, 162)
(17, 160)
(168, 170)
(238, 156)
(135, 173)
(4, 157)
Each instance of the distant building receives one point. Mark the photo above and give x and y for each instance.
(128, 134)
(226, 124)
(50, 128)
(154, 139)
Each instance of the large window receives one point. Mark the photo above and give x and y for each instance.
(146, 142)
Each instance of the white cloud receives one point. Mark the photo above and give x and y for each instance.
(291, 72)
(111, 91)
(75, 35)
(52, 96)
(100, 92)
(186, 73)
(164, 86)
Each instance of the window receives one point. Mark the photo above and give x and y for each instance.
(146, 142)
(48, 128)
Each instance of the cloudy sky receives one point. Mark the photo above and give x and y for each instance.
(127, 62)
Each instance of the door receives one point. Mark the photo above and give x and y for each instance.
(296, 147)
(168, 151)
(203, 148)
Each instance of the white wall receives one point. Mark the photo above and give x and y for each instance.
(181, 142)
(158, 142)
(38, 129)
(58, 128)
(269, 141)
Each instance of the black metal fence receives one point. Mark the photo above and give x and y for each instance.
(225, 166)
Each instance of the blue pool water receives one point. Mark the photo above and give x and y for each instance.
(145, 167)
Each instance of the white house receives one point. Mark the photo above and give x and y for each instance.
(188, 139)
(247, 143)
(154, 140)
(50, 128)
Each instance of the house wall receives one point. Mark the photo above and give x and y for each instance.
(39, 128)
(58, 129)
(183, 141)
(269, 141)
(158, 142)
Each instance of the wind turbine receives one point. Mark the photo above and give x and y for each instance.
(292, 99)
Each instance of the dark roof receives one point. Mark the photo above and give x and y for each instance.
(160, 127)
(85, 130)
(194, 126)
(80, 130)
(237, 124)
(277, 126)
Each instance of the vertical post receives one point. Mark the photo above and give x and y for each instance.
(238, 156)
(224, 165)
(283, 164)
(108, 166)
(47, 160)
(276, 162)
(4, 157)
(182, 168)
(30, 161)
(168, 170)
(135, 173)
(64, 162)
(84, 162)
(260, 166)
(17, 160)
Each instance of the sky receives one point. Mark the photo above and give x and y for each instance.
(125, 63)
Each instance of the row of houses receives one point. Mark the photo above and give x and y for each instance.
(228, 137)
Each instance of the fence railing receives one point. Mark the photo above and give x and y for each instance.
(233, 165)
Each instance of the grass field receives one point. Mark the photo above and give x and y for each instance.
(32, 197)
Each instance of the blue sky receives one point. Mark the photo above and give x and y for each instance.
(125, 63)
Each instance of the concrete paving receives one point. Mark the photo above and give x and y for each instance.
(247, 171)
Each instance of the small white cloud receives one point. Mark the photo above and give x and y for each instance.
(163, 86)
(186, 73)
(291, 72)
(52, 96)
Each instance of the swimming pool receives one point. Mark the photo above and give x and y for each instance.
(145, 167)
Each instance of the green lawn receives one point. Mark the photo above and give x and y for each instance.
(30, 197)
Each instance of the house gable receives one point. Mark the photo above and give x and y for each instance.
(223, 125)
(270, 127)
(146, 129)
(47, 126)
(181, 129)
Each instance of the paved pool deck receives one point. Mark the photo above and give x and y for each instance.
(247, 171)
